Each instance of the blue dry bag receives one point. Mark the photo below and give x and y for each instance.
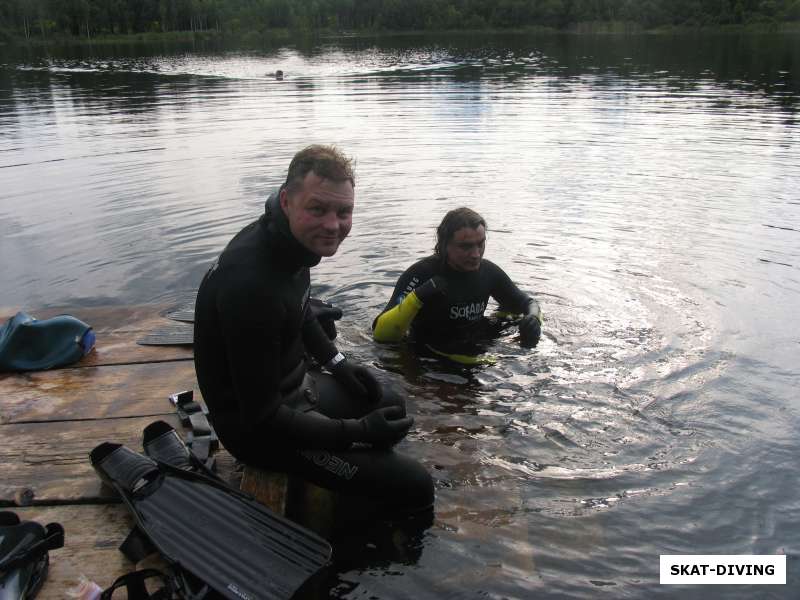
(30, 345)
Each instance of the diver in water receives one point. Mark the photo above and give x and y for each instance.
(254, 326)
(440, 301)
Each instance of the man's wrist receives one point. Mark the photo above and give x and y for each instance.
(336, 360)
(353, 430)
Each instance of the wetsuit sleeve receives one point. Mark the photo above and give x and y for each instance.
(393, 324)
(310, 430)
(250, 326)
(396, 317)
(315, 340)
(251, 323)
(509, 296)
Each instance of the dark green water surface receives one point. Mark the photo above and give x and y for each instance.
(645, 189)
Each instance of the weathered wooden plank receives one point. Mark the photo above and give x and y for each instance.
(268, 487)
(94, 392)
(92, 535)
(101, 318)
(117, 329)
(51, 459)
(120, 348)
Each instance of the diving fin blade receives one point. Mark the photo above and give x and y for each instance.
(218, 534)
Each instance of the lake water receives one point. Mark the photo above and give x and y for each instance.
(645, 189)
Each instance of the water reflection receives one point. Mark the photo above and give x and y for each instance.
(767, 62)
(643, 189)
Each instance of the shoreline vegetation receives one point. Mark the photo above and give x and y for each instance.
(45, 22)
(287, 35)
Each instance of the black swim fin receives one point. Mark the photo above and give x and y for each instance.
(23, 555)
(163, 444)
(218, 535)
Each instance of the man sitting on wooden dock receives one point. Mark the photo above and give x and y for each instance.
(253, 329)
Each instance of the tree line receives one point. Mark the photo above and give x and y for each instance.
(88, 18)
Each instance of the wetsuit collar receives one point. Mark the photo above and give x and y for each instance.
(276, 228)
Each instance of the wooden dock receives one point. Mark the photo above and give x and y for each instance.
(51, 420)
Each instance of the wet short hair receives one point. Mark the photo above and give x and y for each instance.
(456, 219)
(327, 162)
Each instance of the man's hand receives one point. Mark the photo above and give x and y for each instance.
(530, 330)
(434, 287)
(382, 427)
(326, 314)
(358, 380)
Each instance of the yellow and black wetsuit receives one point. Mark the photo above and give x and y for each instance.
(452, 323)
(252, 330)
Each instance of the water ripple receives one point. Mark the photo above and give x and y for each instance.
(651, 209)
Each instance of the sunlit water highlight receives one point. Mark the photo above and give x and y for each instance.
(650, 202)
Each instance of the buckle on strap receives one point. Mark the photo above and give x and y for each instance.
(202, 439)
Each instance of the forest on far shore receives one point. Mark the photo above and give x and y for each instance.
(46, 19)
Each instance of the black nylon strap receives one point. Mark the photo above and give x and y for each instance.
(137, 546)
(202, 439)
(134, 585)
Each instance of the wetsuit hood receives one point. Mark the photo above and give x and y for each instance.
(279, 235)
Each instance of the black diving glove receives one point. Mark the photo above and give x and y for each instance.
(358, 380)
(530, 330)
(326, 314)
(434, 287)
(383, 427)
(530, 326)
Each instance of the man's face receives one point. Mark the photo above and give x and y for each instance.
(320, 213)
(465, 250)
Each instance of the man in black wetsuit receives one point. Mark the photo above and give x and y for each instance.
(253, 329)
(440, 300)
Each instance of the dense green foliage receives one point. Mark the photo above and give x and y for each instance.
(88, 18)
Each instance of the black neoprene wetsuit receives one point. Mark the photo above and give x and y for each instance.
(252, 330)
(455, 319)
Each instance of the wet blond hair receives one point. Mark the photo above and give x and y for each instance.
(327, 162)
